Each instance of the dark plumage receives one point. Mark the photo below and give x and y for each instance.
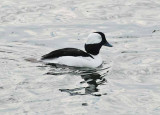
(65, 52)
(93, 48)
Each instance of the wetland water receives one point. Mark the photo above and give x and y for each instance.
(127, 83)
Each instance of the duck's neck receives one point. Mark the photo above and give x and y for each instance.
(93, 49)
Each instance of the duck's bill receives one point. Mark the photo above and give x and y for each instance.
(107, 44)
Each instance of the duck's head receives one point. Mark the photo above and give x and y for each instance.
(94, 43)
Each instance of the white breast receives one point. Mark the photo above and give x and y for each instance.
(77, 61)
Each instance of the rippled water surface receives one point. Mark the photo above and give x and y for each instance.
(127, 83)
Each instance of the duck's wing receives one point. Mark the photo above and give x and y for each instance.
(65, 52)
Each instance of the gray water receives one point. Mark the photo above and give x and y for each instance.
(127, 83)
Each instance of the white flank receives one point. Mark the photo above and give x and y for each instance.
(94, 38)
(77, 61)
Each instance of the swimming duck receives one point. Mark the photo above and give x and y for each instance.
(79, 58)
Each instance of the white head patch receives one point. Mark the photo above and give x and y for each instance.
(94, 38)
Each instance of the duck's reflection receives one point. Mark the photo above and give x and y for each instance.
(91, 77)
(93, 80)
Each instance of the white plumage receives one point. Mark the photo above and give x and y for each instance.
(77, 61)
(94, 38)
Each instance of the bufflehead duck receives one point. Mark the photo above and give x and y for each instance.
(78, 58)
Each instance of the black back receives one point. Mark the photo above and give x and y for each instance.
(66, 52)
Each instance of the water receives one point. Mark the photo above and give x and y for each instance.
(128, 81)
